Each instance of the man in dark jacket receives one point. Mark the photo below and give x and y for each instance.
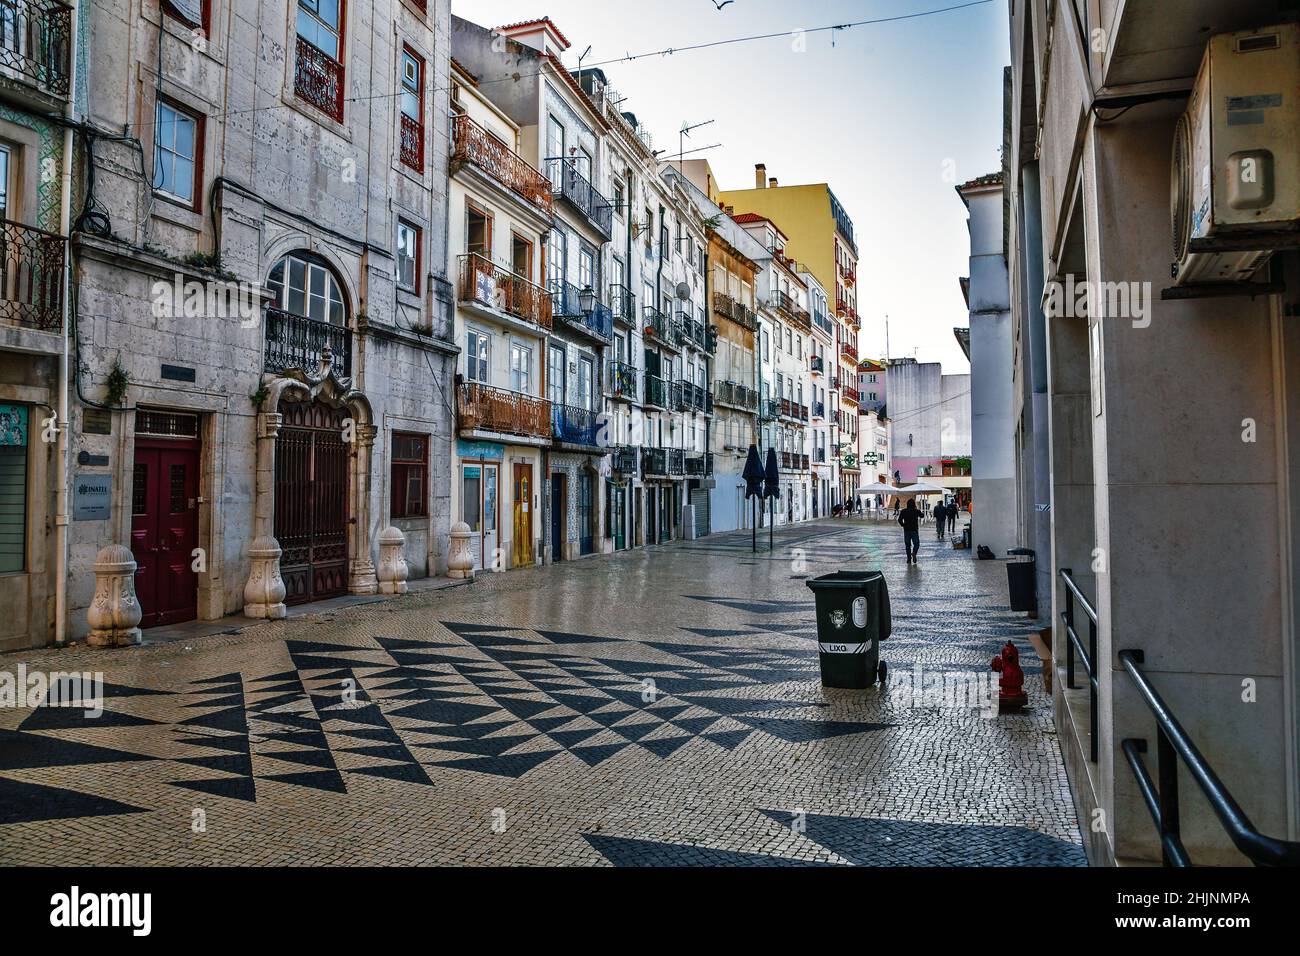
(910, 519)
(940, 519)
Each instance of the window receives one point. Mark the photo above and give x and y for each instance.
(478, 231)
(620, 199)
(318, 70)
(476, 356)
(521, 256)
(412, 117)
(408, 256)
(557, 259)
(193, 13)
(4, 182)
(586, 383)
(555, 368)
(521, 368)
(409, 475)
(176, 145)
(555, 149)
(305, 287)
(319, 23)
(14, 424)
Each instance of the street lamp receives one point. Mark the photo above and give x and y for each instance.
(587, 301)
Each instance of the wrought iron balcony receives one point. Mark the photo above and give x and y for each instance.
(692, 397)
(295, 341)
(851, 395)
(31, 276)
(575, 426)
(566, 304)
(849, 352)
(700, 466)
(801, 318)
(484, 408)
(659, 327)
(624, 459)
(818, 410)
(571, 185)
(486, 284)
(736, 395)
(656, 391)
(622, 381)
(690, 332)
(663, 462)
(819, 456)
(737, 312)
(471, 143)
(782, 302)
(412, 145)
(769, 409)
(36, 44)
(318, 79)
(622, 304)
(816, 364)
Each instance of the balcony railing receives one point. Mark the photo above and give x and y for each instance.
(736, 395)
(658, 326)
(36, 43)
(819, 456)
(818, 409)
(849, 352)
(700, 466)
(782, 302)
(474, 144)
(656, 392)
(31, 276)
(622, 303)
(801, 318)
(487, 284)
(693, 398)
(823, 323)
(484, 408)
(295, 341)
(664, 462)
(412, 146)
(624, 459)
(568, 183)
(692, 333)
(737, 312)
(318, 79)
(576, 426)
(622, 381)
(769, 409)
(816, 364)
(566, 304)
(851, 395)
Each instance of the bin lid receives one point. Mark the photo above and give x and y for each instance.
(843, 579)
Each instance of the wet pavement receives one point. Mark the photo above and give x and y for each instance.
(655, 707)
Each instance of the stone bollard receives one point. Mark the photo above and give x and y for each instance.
(460, 563)
(264, 593)
(114, 614)
(393, 569)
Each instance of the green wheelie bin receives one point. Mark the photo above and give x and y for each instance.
(852, 619)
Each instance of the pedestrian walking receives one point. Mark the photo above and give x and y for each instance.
(910, 519)
(940, 520)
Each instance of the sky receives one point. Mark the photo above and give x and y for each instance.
(892, 115)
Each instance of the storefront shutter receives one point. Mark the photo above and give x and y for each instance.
(13, 488)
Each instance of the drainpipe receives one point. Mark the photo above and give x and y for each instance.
(64, 445)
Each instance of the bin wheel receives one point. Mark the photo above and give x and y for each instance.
(882, 673)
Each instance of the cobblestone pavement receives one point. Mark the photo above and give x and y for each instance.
(659, 707)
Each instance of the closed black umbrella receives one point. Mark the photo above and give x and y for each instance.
(771, 491)
(753, 475)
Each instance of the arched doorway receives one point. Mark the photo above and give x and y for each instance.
(311, 499)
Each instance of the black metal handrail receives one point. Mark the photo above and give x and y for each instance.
(1089, 657)
(1172, 742)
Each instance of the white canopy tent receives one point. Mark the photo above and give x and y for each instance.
(878, 488)
(920, 488)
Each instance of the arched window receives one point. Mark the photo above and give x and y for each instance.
(304, 285)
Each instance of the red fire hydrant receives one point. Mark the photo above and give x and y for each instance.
(1011, 685)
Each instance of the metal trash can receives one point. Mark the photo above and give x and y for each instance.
(1021, 580)
(852, 619)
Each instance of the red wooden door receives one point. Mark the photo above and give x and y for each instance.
(311, 501)
(165, 530)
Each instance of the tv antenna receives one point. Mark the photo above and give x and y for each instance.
(682, 137)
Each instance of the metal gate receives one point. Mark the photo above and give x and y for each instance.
(311, 501)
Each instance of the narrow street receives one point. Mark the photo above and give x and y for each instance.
(658, 707)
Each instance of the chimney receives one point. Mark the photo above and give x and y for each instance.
(771, 183)
(760, 174)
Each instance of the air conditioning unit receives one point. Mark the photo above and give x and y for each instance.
(1235, 183)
